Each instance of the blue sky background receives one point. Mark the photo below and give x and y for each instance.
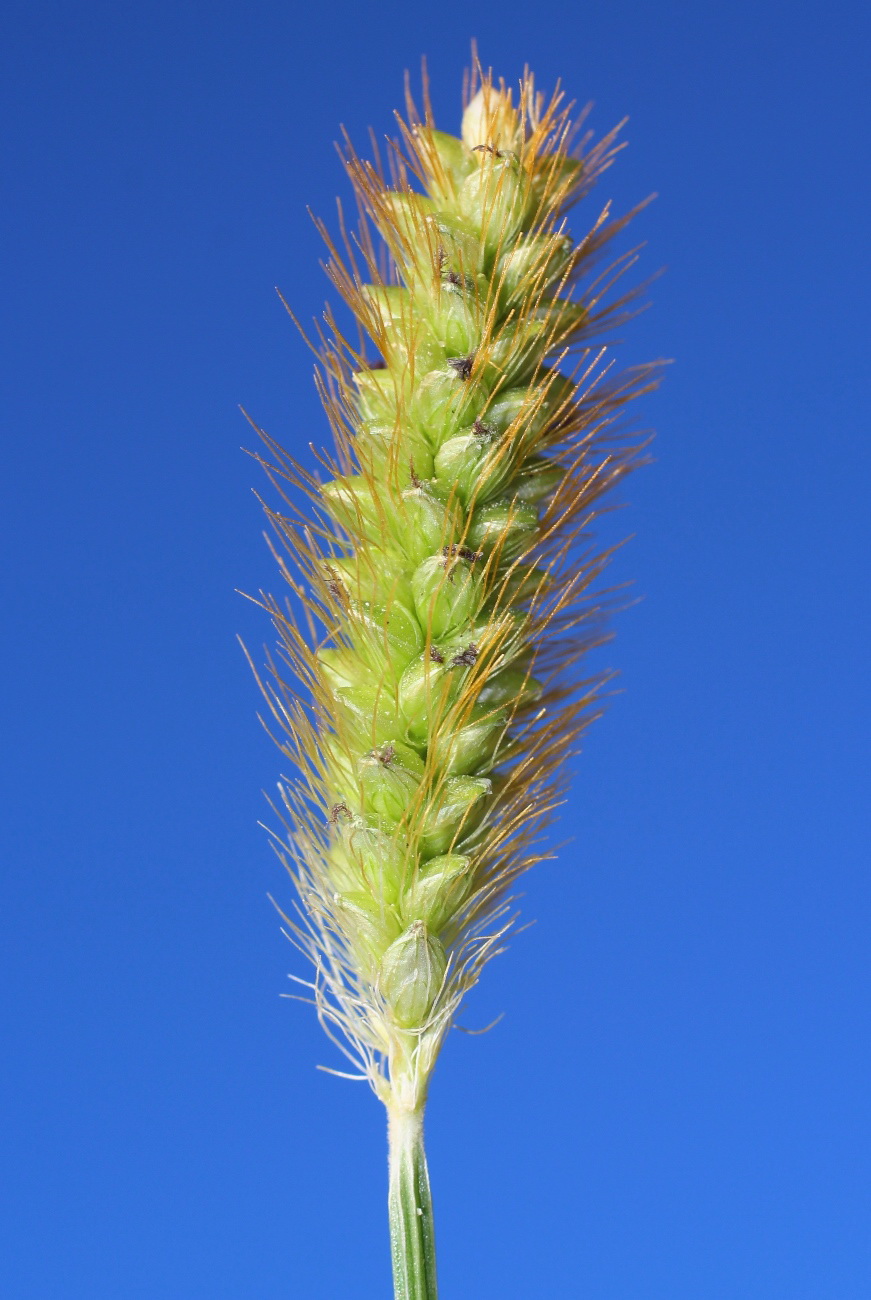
(676, 1104)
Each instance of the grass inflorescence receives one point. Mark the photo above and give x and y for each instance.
(429, 684)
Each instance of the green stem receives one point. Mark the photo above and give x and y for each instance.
(412, 1233)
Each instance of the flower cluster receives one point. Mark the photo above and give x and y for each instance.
(444, 582)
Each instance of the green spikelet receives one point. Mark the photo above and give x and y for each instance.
(443, 584)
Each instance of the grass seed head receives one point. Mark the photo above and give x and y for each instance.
(443, 579)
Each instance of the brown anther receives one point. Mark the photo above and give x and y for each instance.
(453, 277)
(487, 148)
(414, 479)
(466, 658)
(462, 365)
(461, 552)
(482, 430)
(337, 810)
(436, 655)
(385, 755)
(334, 585)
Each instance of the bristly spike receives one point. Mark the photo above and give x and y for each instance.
(443, 580)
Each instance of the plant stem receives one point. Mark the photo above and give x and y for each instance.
(412, 1232)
